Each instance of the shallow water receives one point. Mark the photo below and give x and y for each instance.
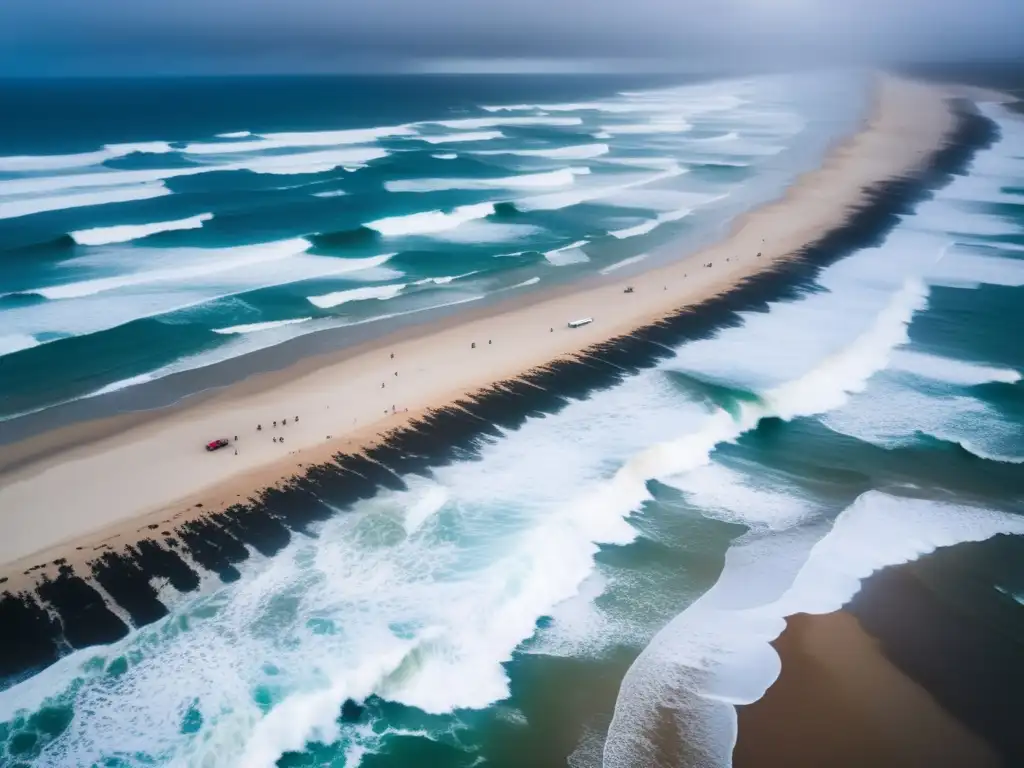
(132, 251)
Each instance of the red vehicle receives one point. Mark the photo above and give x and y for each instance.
(214, 445)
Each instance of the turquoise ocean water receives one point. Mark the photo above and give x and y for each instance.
(597, 581)
(153, 228)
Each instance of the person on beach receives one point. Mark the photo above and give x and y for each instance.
(275, 423)
(259, 427)
(297, 418)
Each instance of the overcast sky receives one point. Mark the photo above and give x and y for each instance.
(221, 36)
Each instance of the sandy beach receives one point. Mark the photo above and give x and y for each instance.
(65, 493)
(840, 702)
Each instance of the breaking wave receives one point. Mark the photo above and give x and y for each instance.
(651, 224)
(126, 232)
(26, 206)
(577, 152)
(23, 163)
(379, 292)
(557, 200)
(560, 178)
(230, 259)
(254, 327)
(475, 123)
(429, 222)
(458, 138)
(569, 254)
(717, 654)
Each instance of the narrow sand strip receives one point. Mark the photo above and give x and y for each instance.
(125, 473)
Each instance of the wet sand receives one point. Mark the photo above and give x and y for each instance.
(840, 702)
(68, 493)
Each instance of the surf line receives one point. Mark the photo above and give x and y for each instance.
(64, 610)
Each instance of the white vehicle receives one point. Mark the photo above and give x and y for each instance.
(581, 323)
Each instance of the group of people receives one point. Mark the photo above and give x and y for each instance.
(259, 428)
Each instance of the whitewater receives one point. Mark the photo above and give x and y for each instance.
(163, 244)
(562, 538)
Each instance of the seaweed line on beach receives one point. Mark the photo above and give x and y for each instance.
(69, 610)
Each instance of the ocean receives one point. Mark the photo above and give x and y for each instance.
(594, 581)
(154, 228)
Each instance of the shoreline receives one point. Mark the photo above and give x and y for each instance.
(913, 140)
(524, 337)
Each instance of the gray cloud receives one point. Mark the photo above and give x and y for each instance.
(264, 35)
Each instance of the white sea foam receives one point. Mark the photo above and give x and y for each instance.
(38, 185)
(730, 136)
(255, 144)
(379, 292)
(291, 163)
(457, 138)
(569, 254)
(524, 284)
(444, 280)
(475, 123)
(717, 654)
(141, 298)
(651, 127)
(219, 260)
(624, 263)
(117, 386)
(126, 232)
(480, 231)
(557, 200)
(560, 178)
(430, 222)
(596, 515)
(331, 193)
(335, 138)
(893, 415)
(946, 369)
(445, 156)
(306, 162)
(14, 207)
(643, 162)
(234, 135)
(584, 106)
(970, 269)
(575, 152)
(255, 327)
(640, 229)
(268, 141)
(9, 344)
(21, 163)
